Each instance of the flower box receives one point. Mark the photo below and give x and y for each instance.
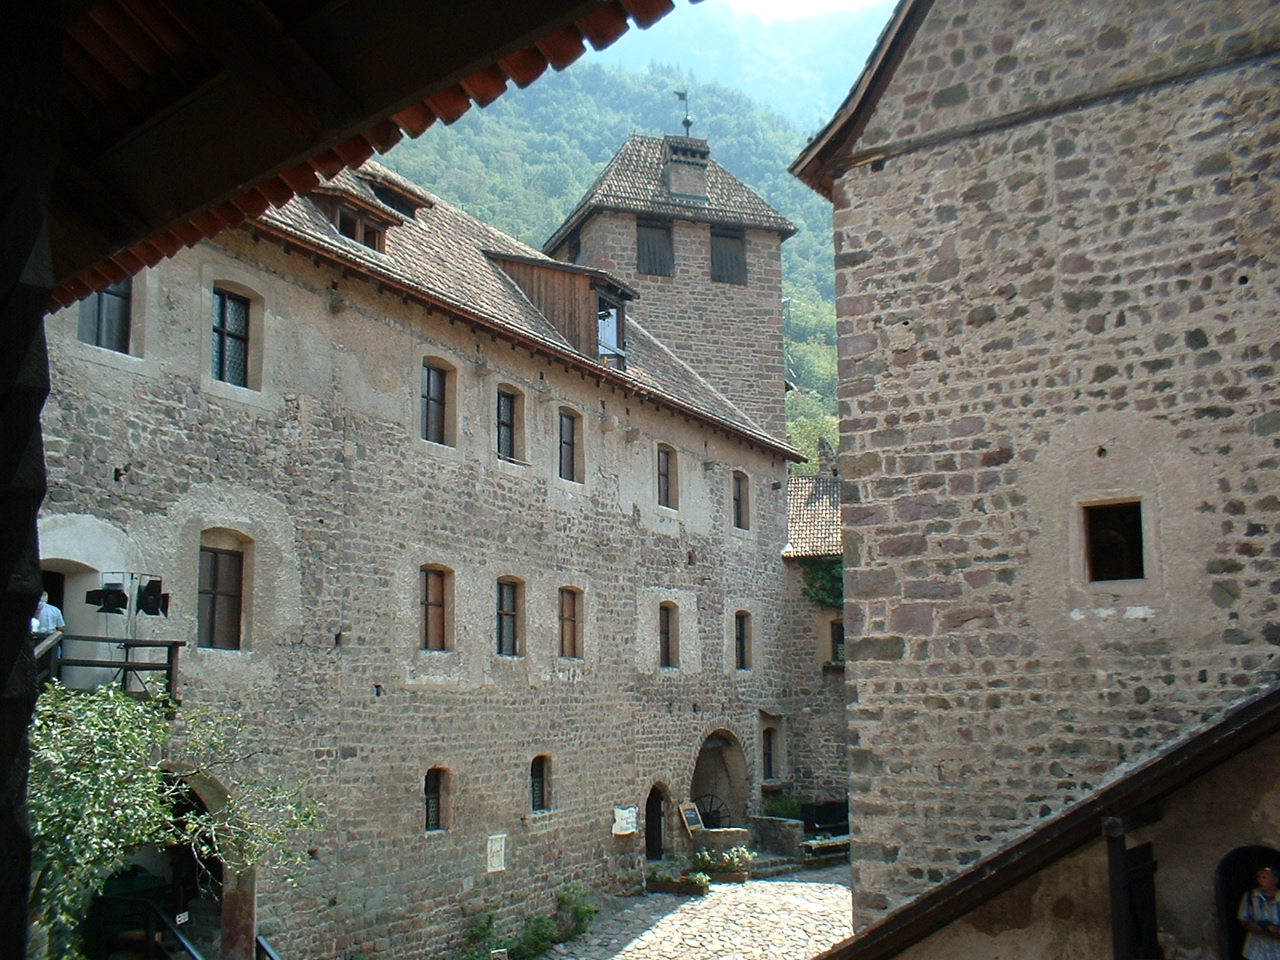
(733, 876)
(686, 887)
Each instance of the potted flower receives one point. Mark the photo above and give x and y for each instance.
(725, 866)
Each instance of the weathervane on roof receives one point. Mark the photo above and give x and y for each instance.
(683, 97)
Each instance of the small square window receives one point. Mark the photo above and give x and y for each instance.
(104, 317)
(1113, 541)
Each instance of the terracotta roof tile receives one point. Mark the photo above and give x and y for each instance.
(813, 517)
(633, 182)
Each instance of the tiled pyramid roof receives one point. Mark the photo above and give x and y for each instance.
(447, 256)
(633, 182)
(813, 517)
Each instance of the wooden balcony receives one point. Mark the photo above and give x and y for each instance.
(142, 668)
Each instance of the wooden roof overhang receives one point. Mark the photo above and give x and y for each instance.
(830, 152)
(180, 119)
(1124, 801)
(495, 330)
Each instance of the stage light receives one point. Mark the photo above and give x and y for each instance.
(110, 599)
(151, 600)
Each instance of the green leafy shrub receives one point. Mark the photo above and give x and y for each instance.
(785, 805)
(578, 910)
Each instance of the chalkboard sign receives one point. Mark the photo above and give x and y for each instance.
(692, 819)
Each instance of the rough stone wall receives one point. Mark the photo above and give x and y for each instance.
(731, 334)
(1070, 306)
(323, 470)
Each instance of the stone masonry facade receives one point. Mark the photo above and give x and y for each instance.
(319, 473)
(1058, 287)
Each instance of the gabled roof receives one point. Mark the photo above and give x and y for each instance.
(633, 182)
(180, 120)
(1071, 829)
(817, 165)
(447, 259)
(813, 517)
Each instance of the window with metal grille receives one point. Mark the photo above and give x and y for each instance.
(728, 255)
(435, 408)
(540, 783)
(507, 424)
(654, 253)
(436, 589)
(220, 595)
(104, 317)
(1113, 538)
(741, 503)
(837, 641)
(570, 464)
(570, 623)
(668, 635)
(668, 478)
(508, 618)
(435, 788)
(230, 338)
(742, 639)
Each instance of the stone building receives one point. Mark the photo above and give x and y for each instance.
(480, 559)
(1059, 298)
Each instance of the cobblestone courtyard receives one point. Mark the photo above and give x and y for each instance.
(791, 917)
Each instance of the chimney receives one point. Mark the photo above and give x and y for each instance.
(684, 168)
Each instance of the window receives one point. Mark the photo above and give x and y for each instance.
(742, 640)
(837, 641)
(435, 403)
(510, 424)
(668, 478)
(540, 784)
(767, 759)
(360, 228)
(508, 618)
(728, 255)
(435, 793)
(104, 317)
(668, 635)
(1113, 538)
(437, 607)
(741, 501)
(220, 598)
(570, 623)
(654, 253)
(611, 332)
(230, 338)
(570, 459)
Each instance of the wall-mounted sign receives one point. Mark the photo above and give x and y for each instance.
(624, 821)
(692, 819)
(496, 853)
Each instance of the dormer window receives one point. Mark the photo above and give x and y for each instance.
(361, 228)
(611, 332)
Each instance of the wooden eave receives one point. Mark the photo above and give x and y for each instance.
(184, 119)
(598, 277)
(827, 154)
(1234, 733)
(479, 323)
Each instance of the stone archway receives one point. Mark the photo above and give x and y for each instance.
(1233, 877)
(719, 784)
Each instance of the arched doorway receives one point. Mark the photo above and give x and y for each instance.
(654, 825)
(1233, 878)
(719, 786)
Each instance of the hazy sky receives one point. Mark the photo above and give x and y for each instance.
(768, 10)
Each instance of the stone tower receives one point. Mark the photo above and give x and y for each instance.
(703, 253)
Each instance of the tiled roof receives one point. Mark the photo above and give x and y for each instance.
(445, 256)
(633, 182)
(813, 517)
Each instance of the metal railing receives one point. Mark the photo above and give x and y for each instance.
(264, 951)
(129, 672)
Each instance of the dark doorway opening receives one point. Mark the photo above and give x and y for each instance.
(653, 825)
(1231, 881)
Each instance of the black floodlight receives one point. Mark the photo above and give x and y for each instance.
(110, 599)
(151, 600)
